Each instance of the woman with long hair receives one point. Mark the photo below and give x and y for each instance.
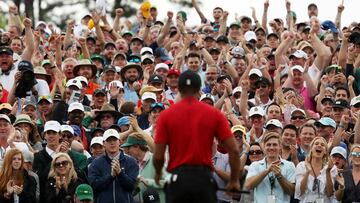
(314, 177)
(62, 180)
(15, 183)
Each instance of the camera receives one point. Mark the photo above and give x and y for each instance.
(354, 38)
(27, 80)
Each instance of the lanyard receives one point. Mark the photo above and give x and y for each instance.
(271, 179)
(316, 184)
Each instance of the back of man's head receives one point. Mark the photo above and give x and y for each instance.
(189, 83)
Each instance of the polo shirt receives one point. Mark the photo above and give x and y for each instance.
(91, 88)
(7, 79)
(263, 189)
(130, 94)
(188, 128)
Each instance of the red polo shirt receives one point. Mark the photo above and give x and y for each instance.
(189, 128)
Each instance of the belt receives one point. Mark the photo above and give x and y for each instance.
(192, 168)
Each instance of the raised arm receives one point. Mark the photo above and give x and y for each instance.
(165, 29)
(253, 15)
(200, 13)
(223, 20)
(311, 87)
(323, 53)
(69, 31)
(343, 53)
(84, 49)
(29, 41)
(99, 33)
(265, 14)
(280, 53)
(340, 9)
(118, 13)
(14, 18)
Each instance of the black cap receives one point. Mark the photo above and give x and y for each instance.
(209, 37)
(137, 39)
(354, 38)
(327, 99)
(150, 195)
(272, 34)
(109, 68)
(25, 65)
(222, 38)
(91, 39)
(223, 77)
(109, 44)
(341, 103)
(96, 130)
(214, 49)
(189, 79)
(312, 4)
(7, 50)
(156, 79)
(263, 80)
(99, 91)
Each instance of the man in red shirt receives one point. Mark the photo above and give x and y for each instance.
(189, 128)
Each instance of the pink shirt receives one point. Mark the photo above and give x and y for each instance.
(308, 101)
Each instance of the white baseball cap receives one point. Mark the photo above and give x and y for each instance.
(256, 110)
(97, 140)
(118, 84)
(339, 150)
(52, 125)
(297, 67)
(274, 122)
(299, 110)
(161, 66)
(5, 117)
(82, 79)
(207, 96)
(146, 49)
(250, 35)
(75, 106)
(355, 101)
(299, 54)
(74, 82)
(148, 95)
(256, 72)
(236, 90)
(111, 133)
(67, 128)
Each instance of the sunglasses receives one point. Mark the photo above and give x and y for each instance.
(355, 154)
(68, 136)
(297, 118)
(147, 62)
(134, 60)
(255, 152)
(61, 164)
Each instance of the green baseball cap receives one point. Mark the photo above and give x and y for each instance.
(44, 62)
(84, 192)
(131, 141)
(99, 57)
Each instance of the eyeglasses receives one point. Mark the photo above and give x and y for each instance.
(297, 118)
(61, 164)
(255, 152)
(134, 60)
(355, 154)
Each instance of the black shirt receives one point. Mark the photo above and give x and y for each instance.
(351, 191)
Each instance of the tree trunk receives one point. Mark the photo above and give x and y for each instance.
(29, 9)
(117, 4)
(41, 12)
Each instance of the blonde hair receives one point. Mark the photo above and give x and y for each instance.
(354, 146)
(71, 175)
(325, 157)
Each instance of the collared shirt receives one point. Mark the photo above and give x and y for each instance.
(264, 189)
(130, 94)
(50, 152)
(170, 95)
(221, 161)
(7, 79)
(143, 162)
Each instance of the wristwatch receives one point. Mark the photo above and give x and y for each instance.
(279, 177)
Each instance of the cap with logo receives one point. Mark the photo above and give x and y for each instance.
(150, 195)
(163, 66)
(325, 99)
(256, 110)
(173, 71)
(298, 68)
(46, 98)
(6, 50)
(109, 68)
(82, 79)
(207, 96)
(74, 82)
(299, 54)
(67, 128)
(111, 133)
(341, 103)
(156, 79)
(5, 117)
(238, 52)
(147, 56)
(5, 106)
(250, 36)
(52, 126)
(189, 79)
(146, 50)
(255, 71)
(99, 91)
(84, 192)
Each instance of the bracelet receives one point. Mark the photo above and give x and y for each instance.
(110, 31)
